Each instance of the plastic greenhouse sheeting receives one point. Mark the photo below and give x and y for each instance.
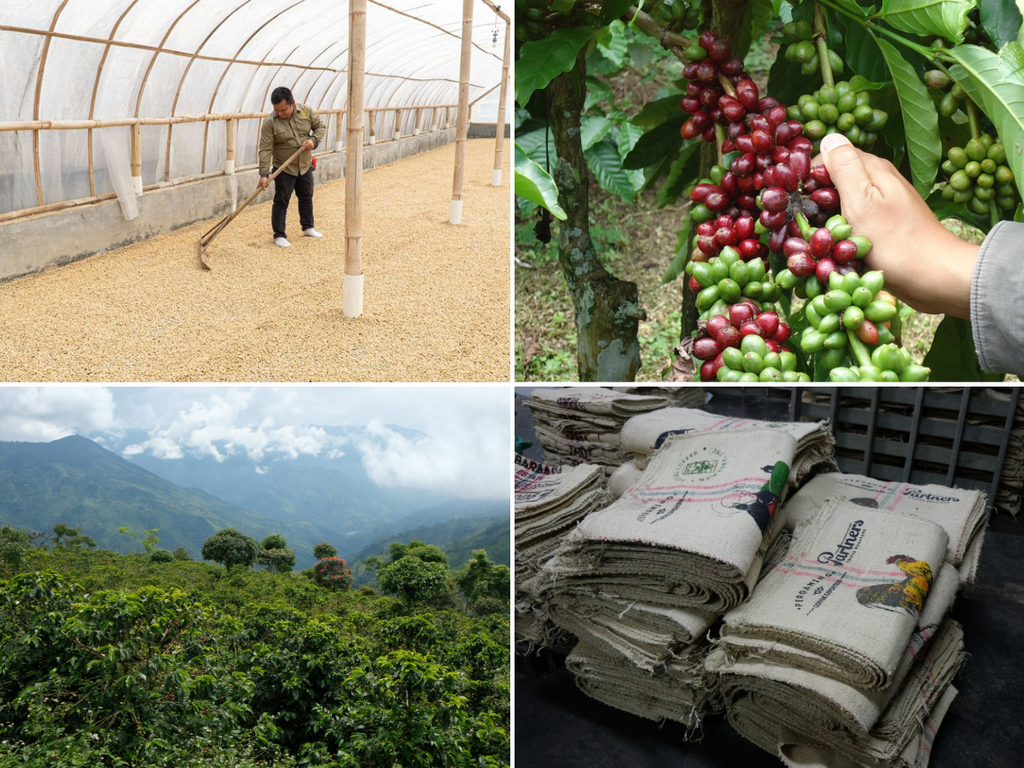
(75, 60)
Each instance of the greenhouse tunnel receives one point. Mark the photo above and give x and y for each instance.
(124, 119)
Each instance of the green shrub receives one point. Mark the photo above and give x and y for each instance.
(323, 549)
(231, 548)
(413, 579)
(161, 556)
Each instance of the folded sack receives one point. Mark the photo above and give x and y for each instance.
(692, 532)
(845, 600)
(682, 692)
(834, 705)
(647, 635)
(644, 434)
(781, 723)
(962, 513)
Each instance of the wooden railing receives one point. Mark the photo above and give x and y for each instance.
(428, 118)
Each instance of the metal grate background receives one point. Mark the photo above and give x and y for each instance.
(952, 437)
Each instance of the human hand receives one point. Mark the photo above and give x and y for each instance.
(308, 145)
(263, 183)
(925, 264)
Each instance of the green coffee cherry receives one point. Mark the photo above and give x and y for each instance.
(978, 175)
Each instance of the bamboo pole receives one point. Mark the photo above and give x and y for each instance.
(455, 209)
(71, 125)
(416, 122)
(49, 208)
(373, 126)
(229, 147)
(338, 143)
(352, 300)
(398, 125)
(499, 126)
(36, 166)
(96, 88)
(137, 158)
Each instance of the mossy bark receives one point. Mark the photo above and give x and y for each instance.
(607, 309)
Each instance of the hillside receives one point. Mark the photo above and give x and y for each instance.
(76, 482)
(457, 538)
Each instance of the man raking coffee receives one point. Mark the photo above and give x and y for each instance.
(294, 126)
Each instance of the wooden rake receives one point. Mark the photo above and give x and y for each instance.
(206, 239)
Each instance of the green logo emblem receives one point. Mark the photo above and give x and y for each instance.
(702, 464)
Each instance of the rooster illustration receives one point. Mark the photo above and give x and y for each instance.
(907, 595)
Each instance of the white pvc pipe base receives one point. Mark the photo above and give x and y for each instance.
(339, 147)
(373, 139)
(397, 135)
(455, 212)
(416, 132)
(352, 295)
(229, 167)
(137, 184)
(496, 177)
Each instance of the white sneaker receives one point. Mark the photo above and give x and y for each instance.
(282, 242)
(311, 233)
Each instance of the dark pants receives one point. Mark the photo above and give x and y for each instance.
(283, 187)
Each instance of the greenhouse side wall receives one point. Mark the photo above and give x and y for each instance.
(35, 243)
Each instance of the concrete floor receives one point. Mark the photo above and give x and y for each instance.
(557, 726)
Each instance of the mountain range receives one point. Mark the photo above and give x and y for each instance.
(77, 482)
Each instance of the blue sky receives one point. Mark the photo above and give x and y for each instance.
(466, 448)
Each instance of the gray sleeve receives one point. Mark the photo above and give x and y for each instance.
(997, 294)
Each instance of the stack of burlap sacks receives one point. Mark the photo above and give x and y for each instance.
(578, 425)
(801, 672)
(844, 654)
(641, 581)
(549, 501)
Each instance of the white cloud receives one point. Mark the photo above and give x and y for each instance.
(466, 451)
(468, 459)
(42, 414)
(215, 427)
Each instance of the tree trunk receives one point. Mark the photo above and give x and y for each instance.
(607, 309)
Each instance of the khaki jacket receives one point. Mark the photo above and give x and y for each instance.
(280, 138)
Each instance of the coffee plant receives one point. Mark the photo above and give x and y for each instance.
(773, 276)
(111, 660)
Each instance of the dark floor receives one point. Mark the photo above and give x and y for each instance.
(557, 726)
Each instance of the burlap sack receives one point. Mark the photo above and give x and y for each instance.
(846, 599)
(538, 539)
(532, 625)
(644, 434)
(647, 635)
(785, 725)
(693, 532)
(677, 397)
(681, 693)
(593, 400)
(796, 751)
(539, 487)
(918, 753)
(961, 513)
(834, 704)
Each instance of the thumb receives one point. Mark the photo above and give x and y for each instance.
(846, 167)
